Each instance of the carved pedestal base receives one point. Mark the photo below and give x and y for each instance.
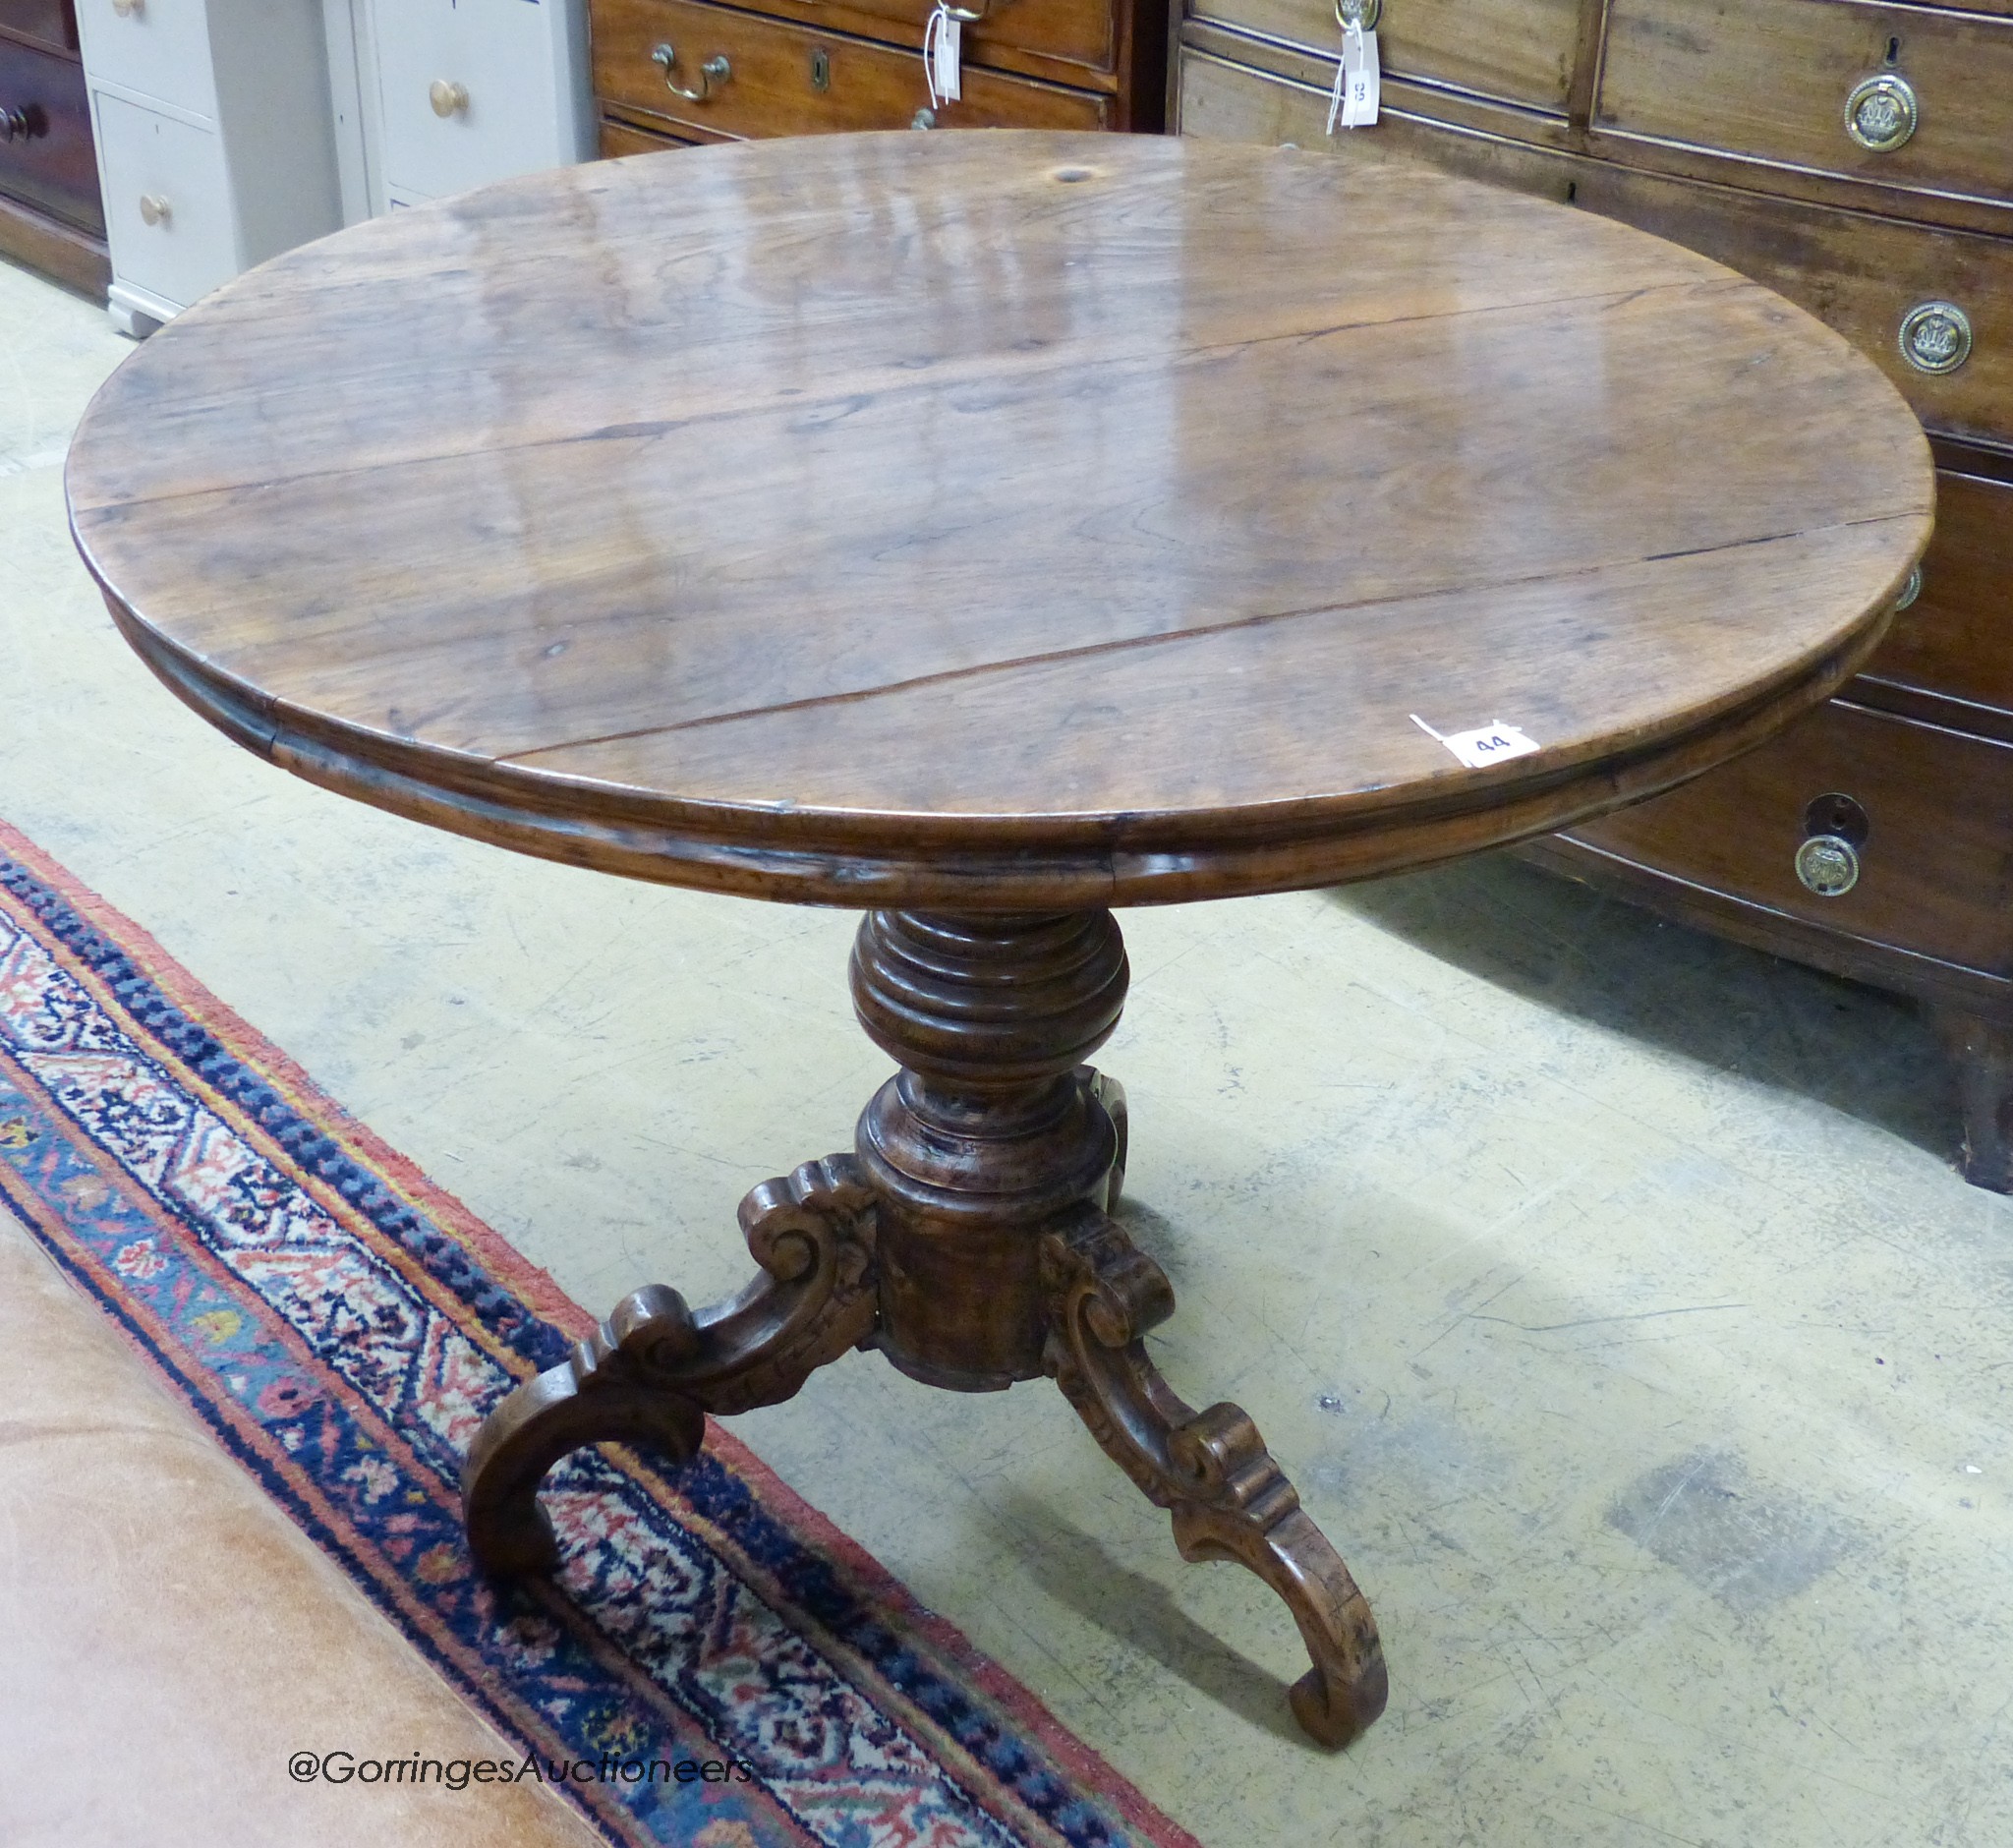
(968, 1239)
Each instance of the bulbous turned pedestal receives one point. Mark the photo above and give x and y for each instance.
(992, 1132)
(968, 1238)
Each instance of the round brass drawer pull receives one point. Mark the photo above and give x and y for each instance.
(923, 118)
(127, 8)
(447, 99)
(15, 124)
(1364, 13)
(1910, 591)
(716, 70)
(154, 209)
(1829, 865)
(1881, 113)
(1936, 336)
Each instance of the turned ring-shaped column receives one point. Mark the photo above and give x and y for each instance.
(990, 1134)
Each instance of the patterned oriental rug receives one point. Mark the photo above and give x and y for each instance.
(343, 1326)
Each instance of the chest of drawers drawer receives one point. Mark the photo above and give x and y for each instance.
(618, 138)
(1933, 309)
(45, 146)
(1910, 297)
(1927, 866)
(1521, 51)
(47, 23)
(167, 200)
(1955, 641)
(159, 48)
(492, 60)
(1070, 39)
(716, 69)
(1908, 96)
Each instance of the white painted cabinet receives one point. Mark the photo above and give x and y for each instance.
(435, 96)
(214, 142)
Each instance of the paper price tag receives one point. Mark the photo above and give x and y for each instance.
(943, 39)
(1492, 743)
(1358, 80)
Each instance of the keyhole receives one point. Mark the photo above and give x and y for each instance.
(820, 70)
(1893, 51)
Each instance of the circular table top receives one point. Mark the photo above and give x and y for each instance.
(997, 520)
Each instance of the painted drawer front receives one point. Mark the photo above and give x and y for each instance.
(47, 159)
(1934, 869)
(1522, 50)
(1956, 638)
(499, 54)
(159, 48)
(1773, 78)
(188, 248)
(787, 79)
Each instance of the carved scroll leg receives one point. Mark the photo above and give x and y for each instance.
(1229, 1499)
(602, 1393)
(653, 1369)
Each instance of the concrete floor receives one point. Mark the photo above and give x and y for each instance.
(1604, 1287)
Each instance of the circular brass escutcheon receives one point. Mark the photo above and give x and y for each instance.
(1828, 866)
(1881, 113)
(1936, 336)
(1910, 591)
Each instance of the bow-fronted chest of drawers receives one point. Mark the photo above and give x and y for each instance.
(1858, 157)
(681, 71)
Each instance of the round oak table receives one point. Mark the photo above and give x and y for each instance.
(985, 531)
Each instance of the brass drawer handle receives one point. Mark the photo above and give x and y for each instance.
(154, 209)
(1829, 865)
(1364, 13)
(923, 118)
(1936, 336)
(447, 99)
(1835, 829)
(716, 70)
(128, 9)
(16, 125)
(1881, 112)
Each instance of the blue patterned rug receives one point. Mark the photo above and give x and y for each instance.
(713, 1665)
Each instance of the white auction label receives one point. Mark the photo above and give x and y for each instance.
(1492, 743)
(942, 54)
(1358, 80)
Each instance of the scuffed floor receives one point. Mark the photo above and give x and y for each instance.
(1604, 1287)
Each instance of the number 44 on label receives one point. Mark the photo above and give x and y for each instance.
(1492, 743)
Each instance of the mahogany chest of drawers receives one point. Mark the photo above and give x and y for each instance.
(672, 71)
(51, 218)
(1858, 157)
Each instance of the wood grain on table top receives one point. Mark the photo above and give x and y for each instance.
(1001, 518)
